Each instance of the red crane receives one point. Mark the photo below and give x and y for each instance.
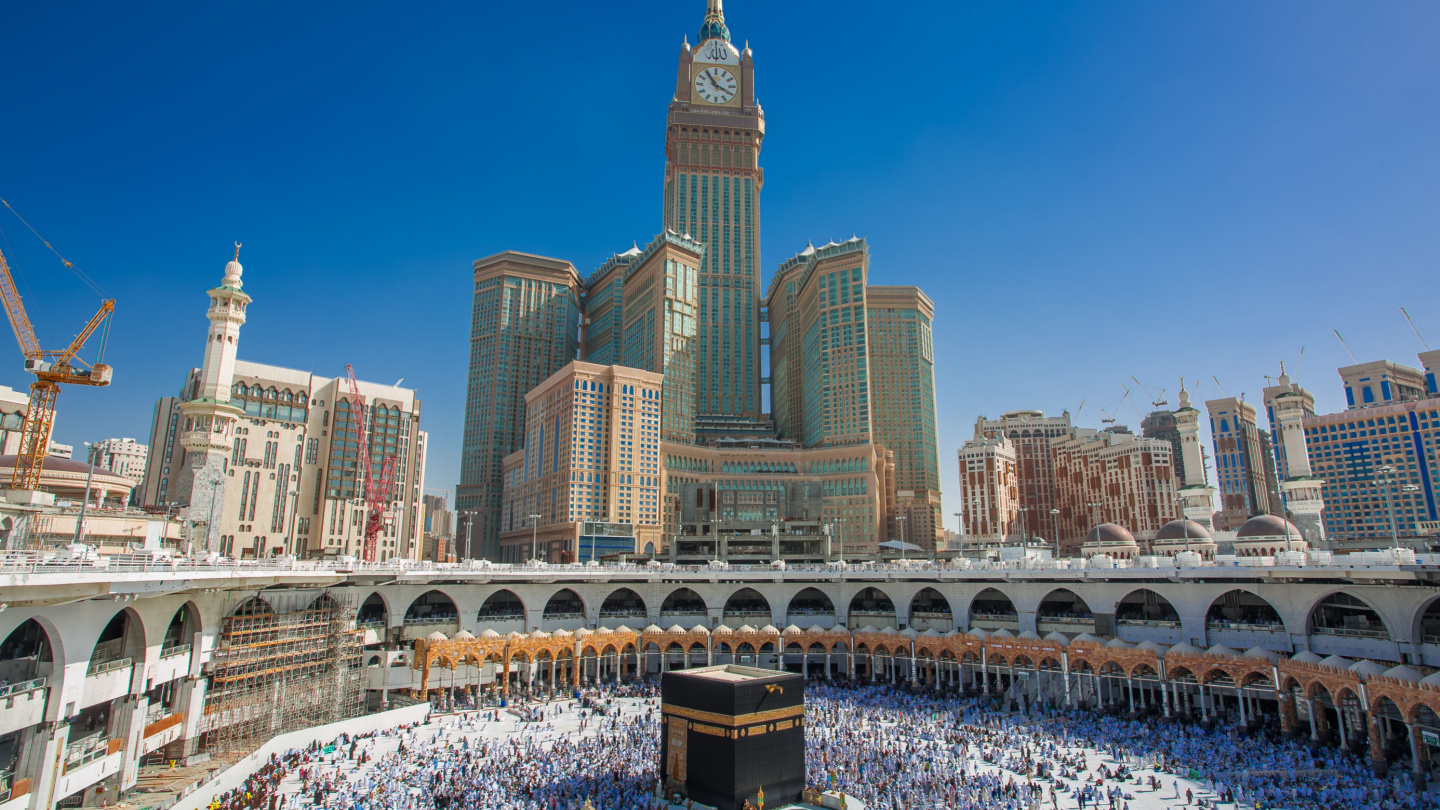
(375, 493)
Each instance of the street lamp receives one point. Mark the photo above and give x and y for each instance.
(1024, 526)
(469, 523)
(1184, 521)
(829, 549)
(1055, 527)
(1410, 488)
(85, 502)
(535, 538)
(901, 520)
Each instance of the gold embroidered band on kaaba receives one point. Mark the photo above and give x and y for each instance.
(734, 720)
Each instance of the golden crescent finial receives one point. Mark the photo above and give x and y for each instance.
(237, 251)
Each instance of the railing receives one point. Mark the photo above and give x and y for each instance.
(1350, 631)
(1429, 639)
(890, 612)
(637, 613)
(1148, 622)
(561, 617)
(994, 617)
(23, 686)
(370, 623)
(1254, 627)
(171, 652)
(107, 666)
(21, 562)
(7, 781)
(430, 621)
(1067, 620)
(90, 742)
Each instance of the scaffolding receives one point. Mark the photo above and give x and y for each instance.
(284, 661)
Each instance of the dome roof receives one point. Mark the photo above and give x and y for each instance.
(1110, 534)
(1306, 657)
(464, 635)
(436, 636)
(1260, 652)
(745, 628)
(675, 630)
(1185, 649)
(1221, 651)
(1002, 633)
(1403, 673)
(770, 629)
(1119, 644)
(723, 630)
(1029, 634)
(604, 631)
(1433, 679)
(233, 272)
(699, 630)
(623, 630)
(1180, 529)
(1058, 638)
(654, 628)
(1268, 526)
(536, 634)
(1158, 649)
(714, 25)
(1336, 661)
(815, 629)
(488, 633)
(66, 478)
(1085, 637)
(1367, 667)
(791, 630)
(977, 632)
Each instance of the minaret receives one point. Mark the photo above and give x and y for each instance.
(208, 429)
(1301, 488)
(1195, 491)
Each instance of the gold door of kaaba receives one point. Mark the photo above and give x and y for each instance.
(675, 762)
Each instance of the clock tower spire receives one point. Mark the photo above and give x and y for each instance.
(712, 192)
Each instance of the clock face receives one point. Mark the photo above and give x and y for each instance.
(715, 84)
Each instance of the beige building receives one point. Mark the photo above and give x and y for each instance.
(989, 488)
(286, 478)
(1033, 434)
(1114, 477)
(589, 477)
(125, 457)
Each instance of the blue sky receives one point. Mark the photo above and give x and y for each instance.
(1087, 190)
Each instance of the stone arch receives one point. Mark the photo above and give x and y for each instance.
(564, 604)
(1243, 609)
(1145, 605)
(181, 630)
(746, 605)
(1343, 613)
(992, 609)
(871, 606)
(930, 610)
(122, 638)
(1425, 622)
(623, 603)
(1063, 604)
(27, 653)
(375, 610)
(681, 603)
(502, 605)
(809, 606)
(432, 607)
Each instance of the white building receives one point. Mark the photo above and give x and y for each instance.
(264, 459)
(124, 457)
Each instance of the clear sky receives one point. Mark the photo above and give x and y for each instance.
(1086, 190)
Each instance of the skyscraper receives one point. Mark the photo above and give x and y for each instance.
(1242, 464)
(712, 193)
(523, 328)
(1033, 434)
(1161, 424)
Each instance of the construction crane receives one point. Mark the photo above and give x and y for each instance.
(376, 493)
(1414, 329)
(1114, 411)
(1346, 346)
(51, 369)
(1155, 402)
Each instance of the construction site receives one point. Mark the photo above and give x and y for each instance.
(283, 661)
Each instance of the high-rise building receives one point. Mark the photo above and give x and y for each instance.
(640, 312)
(1430, 359)
(1161, 424)
(1113, 476)
(1242, 465)
(524, 327)
(589, 477)
(295, 489)
(989, 488)
(902, 383)
(1382, 382)
(818, 338)
(1303, 492)
(1377, 461)
(1033, 434)
(713, 133)
(439, 529)
(125, 457)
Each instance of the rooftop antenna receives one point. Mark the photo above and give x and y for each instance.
(1218, 385)
(1413, 329)
(1346, 346)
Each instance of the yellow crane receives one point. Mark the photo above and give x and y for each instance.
(51, 370)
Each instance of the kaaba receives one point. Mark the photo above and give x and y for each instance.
(731, 732)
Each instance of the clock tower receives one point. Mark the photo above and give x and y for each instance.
(712, 192)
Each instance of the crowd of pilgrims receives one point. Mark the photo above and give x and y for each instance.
(890, 748)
